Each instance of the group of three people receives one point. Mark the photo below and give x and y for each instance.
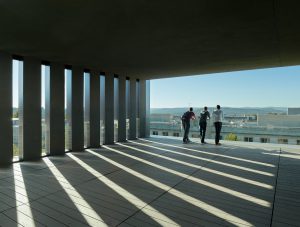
(204, 116)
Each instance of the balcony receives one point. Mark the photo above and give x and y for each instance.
(156, 181)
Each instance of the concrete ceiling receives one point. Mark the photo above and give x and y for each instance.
(154, 38)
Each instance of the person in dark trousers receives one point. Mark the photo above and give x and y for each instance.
(186, 118)
(218, 117)
(204, 116)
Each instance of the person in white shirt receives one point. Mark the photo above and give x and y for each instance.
(218, 117)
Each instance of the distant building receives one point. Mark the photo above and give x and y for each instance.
(269, 128)
(294, 111)
(270, 120)
(161, 117)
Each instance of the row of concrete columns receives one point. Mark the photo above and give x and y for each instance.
(30, 109)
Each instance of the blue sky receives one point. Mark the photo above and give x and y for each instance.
(16, 67)
(276, 87)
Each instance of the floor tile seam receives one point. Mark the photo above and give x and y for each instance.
(177, 155)
(83, 214)
(16, 214)
(252, 210)
(263, 196)
(96, 204)
(287, 192)
(223, 221)
(9, 197)
(12, 207)
(288, 218)
(4, 178)
(81, 183)
(248, 214)
(38, 182)
(252, 207)
(284, 205)
(289, 199)
(285, 224)
(65, 214)
(34, 192)
(201, 167)
(258, 220)
(139, 221)
(198, 170)
(291, 173)
(36, 169)
(181, 149)
(100, 200)
(131, 165)
(34, 219)
(177, 218)
(135, 213)
(227, 146)
(43, 168)
(290, 184)
(144, 221)
(275, 188)
(61, 204)
(12, 220)
(74, 184)
(20, 203)
(214, 157)
(243, 189)
(31, 190)
(36, 200)
(147, 204)
(189, 175)
(112, 197)
(38, 196)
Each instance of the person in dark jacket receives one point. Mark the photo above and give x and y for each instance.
(186, 118)
(204, 116)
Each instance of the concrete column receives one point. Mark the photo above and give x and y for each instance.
(132, 114)
(144, 108)
(6, 138)
(30, 110)
(94, 109)
(77, 109)
(122, 109)
(109, 109)
(55, 109)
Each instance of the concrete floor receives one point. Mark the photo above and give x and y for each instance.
(154, 182)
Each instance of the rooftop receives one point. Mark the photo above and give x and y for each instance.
(156, 181)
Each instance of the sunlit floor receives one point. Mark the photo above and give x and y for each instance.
(156, 182)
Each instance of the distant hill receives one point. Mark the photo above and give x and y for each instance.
(226, 110)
